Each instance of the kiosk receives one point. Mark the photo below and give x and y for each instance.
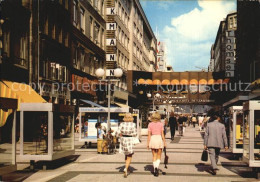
(8, 109)
(46, 131)
(251, 125)
(89, 116)
(236, 127)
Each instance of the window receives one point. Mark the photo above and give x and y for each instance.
(91, 28)
(82, 19)
(119, 33)
(235, 21)
(6, 43)
(123, 14)
(231, 22)
(46, 26)
(67, 39)
(135, 48)
(75, 19)
(96, 2)
(60, 35)
(53, 31)
(102, 8)
(23, 50)
(102, 39)
(134, 29)
(125, 20)
(96, 33)
(122, 38)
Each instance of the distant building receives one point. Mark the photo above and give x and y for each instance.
(223, 50)
(161, 57)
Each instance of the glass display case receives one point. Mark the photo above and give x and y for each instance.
(236, 129)
(89, 116)
(8, 109)
(251, 133)
(46, 131)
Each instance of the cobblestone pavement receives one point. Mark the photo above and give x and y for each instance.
(184, 165)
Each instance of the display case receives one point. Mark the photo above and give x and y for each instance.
(236, 129)
(89, 116)
(46, 131)
(8, 109)
(251, 133)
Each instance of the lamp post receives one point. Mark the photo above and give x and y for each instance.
(155, 96)
(118, 72)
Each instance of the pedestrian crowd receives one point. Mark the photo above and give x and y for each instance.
(214, 139)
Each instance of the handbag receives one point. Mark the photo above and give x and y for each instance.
(166, 158)
(204, 156)
(136, 140)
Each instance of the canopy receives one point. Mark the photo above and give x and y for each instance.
(93, 104)
(22, 92)
(121, 105)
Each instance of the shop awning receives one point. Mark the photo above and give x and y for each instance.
(22, 92)
(93, 104)
(122, 105)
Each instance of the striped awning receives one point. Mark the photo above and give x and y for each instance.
(20, 91)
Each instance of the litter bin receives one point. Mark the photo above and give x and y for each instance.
(102, 146)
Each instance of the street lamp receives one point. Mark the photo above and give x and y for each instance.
(149, 95)
(118, 72)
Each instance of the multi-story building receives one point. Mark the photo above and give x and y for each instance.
(135, 42)
(88, 47)
(223, 50)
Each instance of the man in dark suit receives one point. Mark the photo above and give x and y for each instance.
(173, 125)
(215, 138)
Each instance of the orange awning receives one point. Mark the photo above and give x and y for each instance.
(175, 82)
(20, 91)
(156, 82)
(141, 81)
(149, 82)
(184, 82)
(194, 82)
(203, 82)
(219, 81)
(226, 80)
(166, 82)
(211, 81)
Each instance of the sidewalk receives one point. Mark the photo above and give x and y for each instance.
(184, 164)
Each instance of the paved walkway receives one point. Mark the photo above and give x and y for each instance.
(184, 165)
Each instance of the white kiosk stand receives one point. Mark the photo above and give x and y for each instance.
(251, 122)
(47, 131)
(88, 132)
(236, 126)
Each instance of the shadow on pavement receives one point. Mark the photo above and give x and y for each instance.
(240, 169)
(149, 168)
(121, 169)
(201, 167)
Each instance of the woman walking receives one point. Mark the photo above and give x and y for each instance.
(156, 140)
(127, 130)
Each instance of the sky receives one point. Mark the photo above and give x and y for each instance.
(188, 28)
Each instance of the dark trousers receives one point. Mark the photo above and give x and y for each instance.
(172, 131)
(194, 124)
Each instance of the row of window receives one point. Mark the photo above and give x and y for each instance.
(54, 71)
(122, 60)
(56, 32)
(94, 31)
(122, 37)
(232, 22)
(137, 52)
(98, 6)
(123, 15)
(138, 17)
(137, 33)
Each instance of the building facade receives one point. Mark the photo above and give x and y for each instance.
(223, 50)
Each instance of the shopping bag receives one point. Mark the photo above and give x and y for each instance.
(204, 156)
(136, 140)
(166, 158)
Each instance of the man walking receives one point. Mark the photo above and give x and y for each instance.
(173, 125)
(215, 138)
